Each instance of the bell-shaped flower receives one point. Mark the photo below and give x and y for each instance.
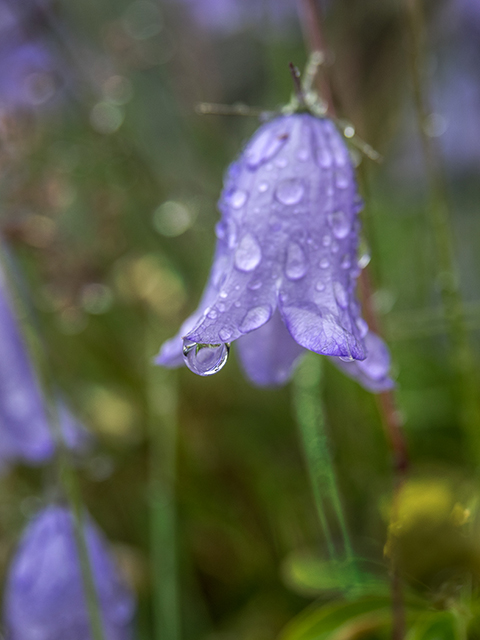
(44, 593)
(25, 429)
(284, 272)
(32, 74)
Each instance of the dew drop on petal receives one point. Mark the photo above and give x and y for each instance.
(324, 263)
(255, 285)
(325, 158)
(335, 248)
(290, 191)
(327, 240)
(212, 314)
(281, 163)
(262, 187)
(339, 223)
(342, 179)
(221, 306)
(364, 260)
(220, 229)
(296, 265)
(346, 262)
(255, 318)
(303, 155)
(340, 294)
(264, 147)
(248, 254)
(362, 327)
(320, 286)
(205, 359)
(238, 198)
(223, 294)
(225, 334)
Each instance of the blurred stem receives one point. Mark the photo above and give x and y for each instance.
(66, 471)
(162, 417)
(439, 214)
(75, 500)
(311, 421)
(69, 481)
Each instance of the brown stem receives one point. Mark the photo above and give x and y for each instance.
(296, 83)
(311, 21)
(386, 403)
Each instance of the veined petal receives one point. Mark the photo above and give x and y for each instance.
(320, 331)
(269, 355)
(287, 240)
(171, 354)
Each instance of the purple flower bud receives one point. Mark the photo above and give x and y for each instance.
(44, 594)
(284, 271)
(25, 431)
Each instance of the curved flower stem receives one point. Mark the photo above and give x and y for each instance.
(439, 213)
(162, 422)
(311, 421)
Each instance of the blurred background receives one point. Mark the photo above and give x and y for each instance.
(108, 187)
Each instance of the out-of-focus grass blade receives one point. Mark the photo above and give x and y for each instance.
(333, 620)
(308, 574)
(440, 624)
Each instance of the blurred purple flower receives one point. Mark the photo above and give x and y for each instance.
(75, 436)
(30, 74)
(229, 16)
(25, 432)
(44, 594)
(285, 266)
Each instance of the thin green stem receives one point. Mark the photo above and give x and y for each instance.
(163, 445)
(70, 484)
(439, 214)
(311, 421)
(66, 472)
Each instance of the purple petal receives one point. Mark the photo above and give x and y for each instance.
(287, 240)
(24, 426)
(76, 437)
(373, 372)
(269, 355)
(44, 594)
(171, 353)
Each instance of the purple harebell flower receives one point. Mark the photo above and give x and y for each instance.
(44, 595)
(25, 430)
(285, 266)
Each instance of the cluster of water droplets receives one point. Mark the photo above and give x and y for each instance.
(284, 196)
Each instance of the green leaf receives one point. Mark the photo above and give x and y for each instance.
(333, 620)
(438, 625)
